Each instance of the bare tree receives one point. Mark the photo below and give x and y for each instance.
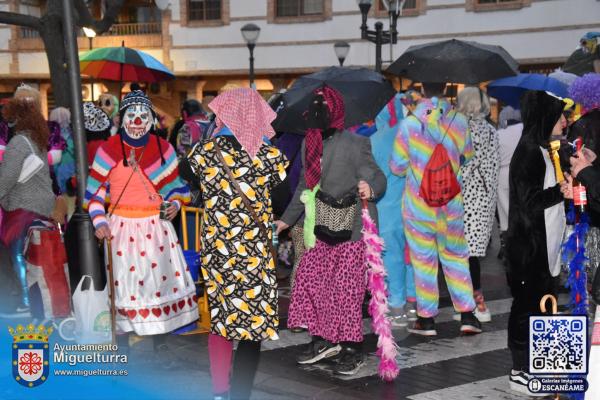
(50, 28)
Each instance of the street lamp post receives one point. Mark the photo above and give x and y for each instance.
(341, 51)
(90, 34)
(250, 34)
(82, 250)
(380, 36)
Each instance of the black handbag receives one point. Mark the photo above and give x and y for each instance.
(334, 218)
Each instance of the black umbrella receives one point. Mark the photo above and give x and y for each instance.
(365, 92)
(454, 61)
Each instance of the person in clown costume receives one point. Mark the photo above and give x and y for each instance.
(155, 293)
(400, 277)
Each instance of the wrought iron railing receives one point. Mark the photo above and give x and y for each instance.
(145, 28)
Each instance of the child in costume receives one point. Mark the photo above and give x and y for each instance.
(400, 276)
(435, 234)
(155, 293)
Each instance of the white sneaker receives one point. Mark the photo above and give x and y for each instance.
(411, 311)
(483, 316)
(519, 381)
(399, 321)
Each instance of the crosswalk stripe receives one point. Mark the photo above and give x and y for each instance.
(287, 338)
(487, 389)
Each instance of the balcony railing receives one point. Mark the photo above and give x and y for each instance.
(145, 28)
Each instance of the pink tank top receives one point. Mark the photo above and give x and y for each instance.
(140, 198)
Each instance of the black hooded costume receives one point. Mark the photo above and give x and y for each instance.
(528, 275)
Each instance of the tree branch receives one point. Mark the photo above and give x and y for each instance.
(11, 18)
(110, 15)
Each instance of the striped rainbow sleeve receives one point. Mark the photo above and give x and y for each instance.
(101, 167)
(96, 208)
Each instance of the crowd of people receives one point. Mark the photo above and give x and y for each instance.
(438, 176)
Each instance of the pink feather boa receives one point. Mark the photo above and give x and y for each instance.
(387, 349)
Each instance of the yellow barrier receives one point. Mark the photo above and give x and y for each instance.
(203, 311)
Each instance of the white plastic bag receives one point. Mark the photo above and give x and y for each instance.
(92, 314)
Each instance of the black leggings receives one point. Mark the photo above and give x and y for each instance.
(475, 269)
(245, 365)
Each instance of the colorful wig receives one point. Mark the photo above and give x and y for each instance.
(585, 90)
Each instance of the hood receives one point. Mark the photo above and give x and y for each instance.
(391, 114)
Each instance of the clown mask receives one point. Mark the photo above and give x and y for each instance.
(137, 121)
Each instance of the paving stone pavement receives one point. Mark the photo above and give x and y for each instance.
(446, 367)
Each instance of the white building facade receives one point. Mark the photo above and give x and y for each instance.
(200, 40)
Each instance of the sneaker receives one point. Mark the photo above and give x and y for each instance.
(20, 312)
(317, 351)
(482, 313)
(350, 362)
(399, 321)
(411, 311)
(469, 325)
(297, 330)
(519, 382)
(423, 327)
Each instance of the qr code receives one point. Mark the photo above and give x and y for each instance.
(558, 344)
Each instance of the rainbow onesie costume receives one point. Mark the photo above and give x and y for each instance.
(434, 233)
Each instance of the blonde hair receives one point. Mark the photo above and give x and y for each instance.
(473, 102)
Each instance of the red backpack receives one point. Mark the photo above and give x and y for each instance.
(439, 184)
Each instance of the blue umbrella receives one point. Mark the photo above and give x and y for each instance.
(510, 89)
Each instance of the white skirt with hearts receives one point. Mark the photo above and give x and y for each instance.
(155, 292)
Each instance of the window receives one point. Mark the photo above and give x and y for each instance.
(491, 5)
(408, 5)
(204, 10)
(497, 1)
(410, 8)
(198, 13)
(298, 8)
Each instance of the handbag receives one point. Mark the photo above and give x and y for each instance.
(334, 218)
(31, 165)
(246, 201)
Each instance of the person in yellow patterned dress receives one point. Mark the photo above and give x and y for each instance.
(236, 262)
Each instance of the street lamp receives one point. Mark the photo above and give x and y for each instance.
(341, 51)
(90, 34)
(250, 34)
(379, 36)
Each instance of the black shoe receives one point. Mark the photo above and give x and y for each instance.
(423, 327)
(469, 324)
(317, 351)
(350, 362)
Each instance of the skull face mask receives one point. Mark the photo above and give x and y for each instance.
(137, 121)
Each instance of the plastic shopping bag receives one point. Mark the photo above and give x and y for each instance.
(92, 314)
